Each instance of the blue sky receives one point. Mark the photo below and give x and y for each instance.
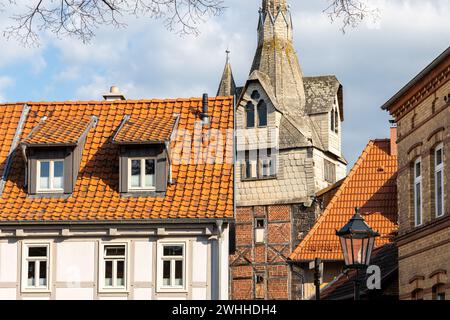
(145, 60)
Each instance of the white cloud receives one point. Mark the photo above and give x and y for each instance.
(5, 82)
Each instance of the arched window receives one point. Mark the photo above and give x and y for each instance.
(439, 291)
(250, 115)
(262, 114)
(417, 294)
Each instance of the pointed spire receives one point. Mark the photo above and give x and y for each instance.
(273, 6)
(276, 56)
(227, 86)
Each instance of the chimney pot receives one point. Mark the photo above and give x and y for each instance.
(393, 138)
(114, 94)
(205, 111)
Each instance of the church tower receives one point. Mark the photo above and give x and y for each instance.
(288, 149)
(276, 57)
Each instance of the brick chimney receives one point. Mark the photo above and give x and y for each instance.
(393, 137)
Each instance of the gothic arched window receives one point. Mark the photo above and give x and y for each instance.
(250, 115)
(262, 114)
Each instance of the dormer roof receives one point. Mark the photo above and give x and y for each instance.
(157, 129)
(57, 131)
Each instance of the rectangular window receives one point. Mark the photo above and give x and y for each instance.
(142, 174)
(439, 180)
(260, 230)
(36, 264)
(329, 171)
(114, 270)
(259, 286)
(418, 192)
(50, 175)
(172, 264)
(250, 167)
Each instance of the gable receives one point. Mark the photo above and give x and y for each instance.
(372, 186)
(322, 93)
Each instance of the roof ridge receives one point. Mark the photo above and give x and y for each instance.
(106, 102)
(341, 189)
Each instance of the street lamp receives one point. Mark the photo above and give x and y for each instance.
(357, 242)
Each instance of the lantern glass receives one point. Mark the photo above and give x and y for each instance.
(357, 250)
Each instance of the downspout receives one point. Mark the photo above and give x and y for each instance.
(219, 224)
(14, 144)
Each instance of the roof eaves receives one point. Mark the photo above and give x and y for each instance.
(416, 79)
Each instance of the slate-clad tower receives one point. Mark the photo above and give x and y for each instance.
(288, 148)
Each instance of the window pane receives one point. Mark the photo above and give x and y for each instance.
(262, 114)
(178, 273)
(173, 251)
(166, 273)
(43, 273)
(135, 173)
(418, 204)
(438, 157)
(115, 251)
(31, 273)
(149, 173)
(418, 170)
(120, 273)
(439, 193)
(58, 173)
(108, 273)
(44, 179)
(37, 251)
(250, 115)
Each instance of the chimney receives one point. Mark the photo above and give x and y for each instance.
(205, 111)
(393, 138)
(114, 94)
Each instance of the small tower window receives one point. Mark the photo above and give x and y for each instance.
(250, 115)
(262, 114)
(332, 123)
(336, 121)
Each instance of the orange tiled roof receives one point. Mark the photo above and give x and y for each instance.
(199, 190)
(58, 130)
(371, 185)
(155, 129)
(9, 120)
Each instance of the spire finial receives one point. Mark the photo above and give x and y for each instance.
(228, 54)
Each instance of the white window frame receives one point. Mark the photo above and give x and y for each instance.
(101, 264)
(418, 181)
(51, 177)
(142, 175)
(160, 267)
(439, 169)
(24, 272)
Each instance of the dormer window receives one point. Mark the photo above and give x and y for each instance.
(53, 151)
(144, 155)
(142, 173)
(50, 176)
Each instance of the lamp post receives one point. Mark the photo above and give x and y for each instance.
(357, 241)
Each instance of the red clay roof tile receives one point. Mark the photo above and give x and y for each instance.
(378, 204)
(99, 164)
